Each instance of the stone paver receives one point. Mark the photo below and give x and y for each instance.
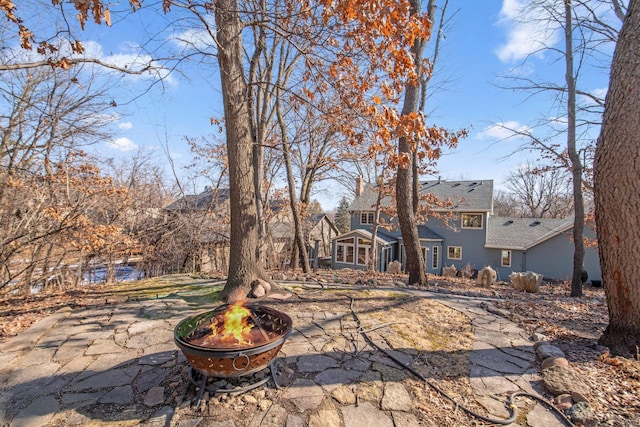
(70, 367)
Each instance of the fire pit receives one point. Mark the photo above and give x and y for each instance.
(232, 341)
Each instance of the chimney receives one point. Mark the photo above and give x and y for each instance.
(359, 186)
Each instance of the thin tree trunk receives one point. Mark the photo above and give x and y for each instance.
(617, 191)
(299, 241)
(574, 157)
(244, 260)
(376, 224)
(404, 194)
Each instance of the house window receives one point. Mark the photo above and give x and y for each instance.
(454, 252)
(424, 254)
(367, 218)
(434, 257)
(472, 220)
(505, 258)
(345, 250)
(363, 251)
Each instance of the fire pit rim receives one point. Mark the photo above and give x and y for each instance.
(205, 351)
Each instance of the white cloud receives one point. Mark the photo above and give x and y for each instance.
(193, 39)
(125, 125)
(599, 93)
(529, 31)
(504, 130)
(122, 144)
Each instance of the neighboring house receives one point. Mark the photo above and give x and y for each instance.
(469, 236)
(322, 229)
(215, 229)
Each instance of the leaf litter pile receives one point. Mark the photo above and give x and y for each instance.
(573, 324)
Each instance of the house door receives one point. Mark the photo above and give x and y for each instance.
(385, 258)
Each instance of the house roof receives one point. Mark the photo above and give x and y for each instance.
(314, 219)
(209, 198)
(466, 196)
(523, 233)
(426, 233)
(476, 195)
(381, 237)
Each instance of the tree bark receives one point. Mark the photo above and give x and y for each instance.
(244, 260)
(404, 195)
(617, 191)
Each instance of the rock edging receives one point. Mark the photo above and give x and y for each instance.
(570, 391)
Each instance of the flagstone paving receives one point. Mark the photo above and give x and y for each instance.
(118, 365)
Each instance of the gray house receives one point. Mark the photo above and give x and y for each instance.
(464, 233)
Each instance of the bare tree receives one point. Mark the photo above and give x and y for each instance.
(45, 205)
(540, 192)
(583, 33)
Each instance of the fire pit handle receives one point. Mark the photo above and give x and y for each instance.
(240, 356)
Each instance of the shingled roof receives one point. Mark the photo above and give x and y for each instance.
(466, 196)
(209, 199)
(523, 233)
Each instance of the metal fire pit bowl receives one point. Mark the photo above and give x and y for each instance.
(239, 360)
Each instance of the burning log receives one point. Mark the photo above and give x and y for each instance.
(237, 326)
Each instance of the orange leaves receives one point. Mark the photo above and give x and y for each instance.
(308, 93)
(26, 37)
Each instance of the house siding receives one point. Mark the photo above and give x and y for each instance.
(548, 241)
(471, 242)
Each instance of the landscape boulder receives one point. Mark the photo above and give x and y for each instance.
(260, 288)
(527, 281)
(394, 267)
(449, 271)
(487, 276)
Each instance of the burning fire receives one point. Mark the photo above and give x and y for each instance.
(233, 326)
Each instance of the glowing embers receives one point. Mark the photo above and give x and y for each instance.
(237, 326)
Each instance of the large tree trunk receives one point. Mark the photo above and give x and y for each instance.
(244, 261)
(617, 191)
(574, 156)
(404, 184)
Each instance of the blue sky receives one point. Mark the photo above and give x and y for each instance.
(482, 42)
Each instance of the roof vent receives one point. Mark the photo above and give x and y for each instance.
(508, 222)
(534, 223)
(456, 184)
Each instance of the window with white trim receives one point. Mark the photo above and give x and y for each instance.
(367, 218)
(505, 258)
(344, 250)
(472, 220)
(363, 251)
(454, 252)
(434, 257)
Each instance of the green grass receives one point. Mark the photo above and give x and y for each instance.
(195, 291)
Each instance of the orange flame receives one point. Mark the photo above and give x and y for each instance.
(233, 326)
